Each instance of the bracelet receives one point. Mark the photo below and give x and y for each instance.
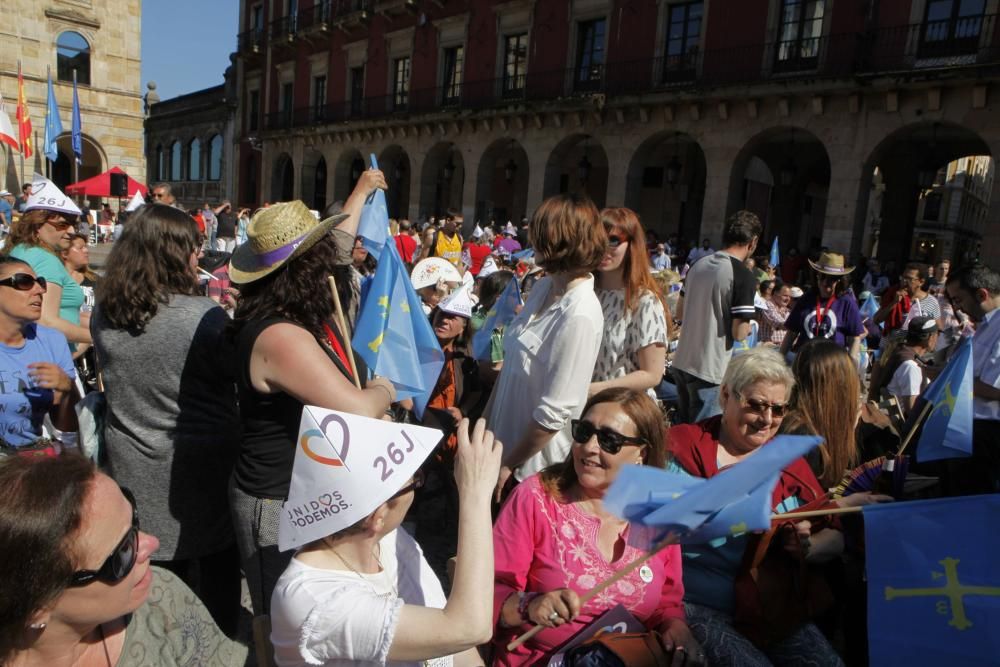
(523, 600)
(385, 389)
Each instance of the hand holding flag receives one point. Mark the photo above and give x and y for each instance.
(373, 226)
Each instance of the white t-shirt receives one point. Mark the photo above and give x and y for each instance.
(338, 618)
(908, 380)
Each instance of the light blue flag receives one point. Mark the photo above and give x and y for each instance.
(501, 314)
(373, 227)
(77, 125)
(53, 126)
(934, 581)
(947, 431)
(524, 254)
(735, 501)
(868, 308)
(775, 255)
(393, 335)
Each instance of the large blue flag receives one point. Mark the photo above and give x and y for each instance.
(947, 431)
(393, 335)
(77, 138)
(735, 501)
(934, 581)
(53, 126)
(775, 255)
(500, 315)
(373, 226)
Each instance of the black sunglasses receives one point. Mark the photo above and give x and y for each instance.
(608, 440)
(418, 482)
(23, 282)
(122, 559)
(760, 407)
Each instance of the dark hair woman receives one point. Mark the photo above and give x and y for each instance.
(172, 423)
(76, 586)
(289, 353)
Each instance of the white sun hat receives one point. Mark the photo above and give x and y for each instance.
(433, 270)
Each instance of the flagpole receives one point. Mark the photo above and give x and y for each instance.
(342, 324)
(19, 121)
(48, 162)
(603, 586)
(76, 159)
(916, 426)
(804, 515)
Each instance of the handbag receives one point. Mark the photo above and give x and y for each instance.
(776, 594)
(621, 649)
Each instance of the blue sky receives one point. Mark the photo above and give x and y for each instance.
(186, 43)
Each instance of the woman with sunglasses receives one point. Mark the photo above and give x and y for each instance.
(35, 365)
(76, 585)
(634, 344)
(39, 238)
(554, 541)
(754, 398)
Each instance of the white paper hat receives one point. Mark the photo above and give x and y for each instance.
(137, 202)
(509, 229)
(345, 467)
(47, 197)
(477, 233)
(429, 271)
(458, 303)
(489, 268)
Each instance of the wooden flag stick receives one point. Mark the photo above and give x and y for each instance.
(603, 586)
(913, 429)
(342, 324)
(804, 515)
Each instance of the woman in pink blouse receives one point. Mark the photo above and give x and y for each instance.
(554, 541)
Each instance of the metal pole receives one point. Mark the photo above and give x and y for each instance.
(76, 160)
(19, 120)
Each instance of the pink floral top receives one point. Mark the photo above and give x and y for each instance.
(542, 544)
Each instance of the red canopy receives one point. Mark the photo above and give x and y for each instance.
(100, 185)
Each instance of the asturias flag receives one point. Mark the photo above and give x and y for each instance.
(775, 255)
(373, 226)
(23, 118)
(501, 314)
(947, 431)
(77, 125)
(53, 125)
(934, 581)
(393, 335)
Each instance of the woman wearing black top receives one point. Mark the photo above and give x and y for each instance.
(290, 353)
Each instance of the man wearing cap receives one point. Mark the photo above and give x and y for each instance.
(827, 310)
(903, 376)
(716, 306)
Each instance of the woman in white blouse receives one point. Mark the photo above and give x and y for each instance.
(634, 345)
(551, 347)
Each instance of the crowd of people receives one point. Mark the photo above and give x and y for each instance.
(150, 418)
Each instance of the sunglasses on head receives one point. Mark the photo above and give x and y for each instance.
(122, 559)
(760, 407)
(608, 440)
(23, 282)
(615, 240)
(418, 482)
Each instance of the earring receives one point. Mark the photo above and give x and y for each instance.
(37, 626)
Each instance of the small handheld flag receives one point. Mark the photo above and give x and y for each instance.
(373, 226)
(53, 125)
(775, 258)
(947, 433)
(501, 314)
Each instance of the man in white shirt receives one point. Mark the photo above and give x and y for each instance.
(976, 292)
(704, 251)
(661, 259)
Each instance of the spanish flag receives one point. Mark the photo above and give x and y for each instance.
(23, 120)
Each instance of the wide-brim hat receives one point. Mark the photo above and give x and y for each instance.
(275, 236)
(831, 263)
(432, 270)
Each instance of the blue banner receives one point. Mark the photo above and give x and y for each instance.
(53, 125)
(77, 125)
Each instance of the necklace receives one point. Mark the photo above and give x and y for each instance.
(395, 590)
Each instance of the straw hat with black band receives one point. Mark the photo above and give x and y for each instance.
(831, 263)
(275, 236)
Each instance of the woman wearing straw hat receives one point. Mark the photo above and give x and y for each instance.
(290, 351)
(827, 310)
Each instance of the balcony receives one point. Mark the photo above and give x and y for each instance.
(948, 45)
(251, 41)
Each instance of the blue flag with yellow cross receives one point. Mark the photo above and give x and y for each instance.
(934, 581)
(947, 431)
(393, 335)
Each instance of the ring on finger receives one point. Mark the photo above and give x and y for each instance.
(554, 616)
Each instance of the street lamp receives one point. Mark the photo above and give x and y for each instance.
(674, 171)
(583, 168)
(510, 170)
(449, 169)
(787, 173)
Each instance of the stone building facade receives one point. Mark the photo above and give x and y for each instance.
(684, 111)
(101, 40)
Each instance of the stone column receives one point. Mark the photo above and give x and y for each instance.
(298, 158)
(718, 165)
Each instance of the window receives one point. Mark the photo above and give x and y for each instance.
(932, 207)
(175, 161)
(215, 158)
(952, 27)
(683, 39)
(319, 96)
(253, 122)
(590, 55)
(400, 82)
(73, 53)
(287, 103)
(257, 18)
(453, 58)
(357, 81)
(161, 168)
(194, 161)
(800, 31)
(515, 58)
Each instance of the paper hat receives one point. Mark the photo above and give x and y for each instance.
(509, 229)
(797, 292)
(457, 303)
(477, 233)
(345, 467)
(137, 202)
(832, 264)
(489, 268)
(430, 271)
(4, 193)
(45, 196)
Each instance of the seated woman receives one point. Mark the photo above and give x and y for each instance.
(77, 588)
(903, 374)
(754, 397)
(554, 541)
(34, 362)
(348, 598)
